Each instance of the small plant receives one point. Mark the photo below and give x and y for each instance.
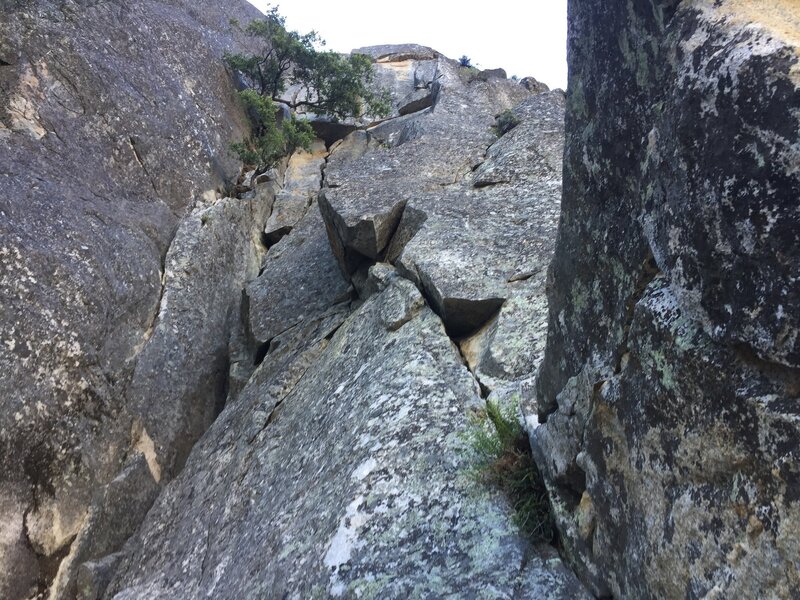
(503, 458)
(505, 122)
(469, 74)
(465, 61)
(233, 22)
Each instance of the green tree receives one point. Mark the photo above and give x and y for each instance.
(327, 83)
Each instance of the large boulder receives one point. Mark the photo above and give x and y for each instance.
(115, 121)
(351, 481)
(669, 388)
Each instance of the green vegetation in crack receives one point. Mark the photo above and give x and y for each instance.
(323, 83)
(501, 456)
(270, 140)
(505, 122)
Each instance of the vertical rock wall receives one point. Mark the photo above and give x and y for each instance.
(115, 121)
(671, 381)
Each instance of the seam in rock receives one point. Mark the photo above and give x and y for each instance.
(132, 143)
(484, 389)
(648, 272)
(153, 321)
(786, 376)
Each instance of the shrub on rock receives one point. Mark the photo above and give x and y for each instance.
(326, 83)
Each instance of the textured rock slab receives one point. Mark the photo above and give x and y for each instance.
(300, 277)
(351, 484)
(473, 249)
(546, 577)
(670, 380)
(672, 447)
(94, 577)
(438, 147)
(416, 101)
(185, 359)
(725, 229)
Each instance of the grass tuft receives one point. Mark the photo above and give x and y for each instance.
(502, 458)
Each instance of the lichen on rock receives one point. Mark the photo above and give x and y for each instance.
(668, 392)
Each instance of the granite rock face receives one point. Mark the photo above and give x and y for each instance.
(500, 224)
(115, 118)
(671, 381)
(303, 179)
(341, 469)
(417, 154)
(372, 427)
(300, 276)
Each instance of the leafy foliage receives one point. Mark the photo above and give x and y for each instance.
(326, 83)
(465, 61)
(336, 85)
(270, 140)
(505, 122)
(503, 458)
(268, 71)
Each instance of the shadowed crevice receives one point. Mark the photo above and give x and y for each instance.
(462, 318)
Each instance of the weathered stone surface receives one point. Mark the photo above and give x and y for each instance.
(109, 134)
(351, 483)
(302, 181)
(113, 517)
(178, 387)
(300, 278)
(338, 468)
(94, 576)
(185, 362)
(16, 555)
(417, 100)
(670, 382)
(348, 149)
(398, 52)
(546, 577)
(366, 196)
(481, 253)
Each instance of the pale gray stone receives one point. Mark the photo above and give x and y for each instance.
(352, 483)
(115, 121)
(300, 277)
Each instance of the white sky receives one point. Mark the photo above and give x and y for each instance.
(525, 37)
